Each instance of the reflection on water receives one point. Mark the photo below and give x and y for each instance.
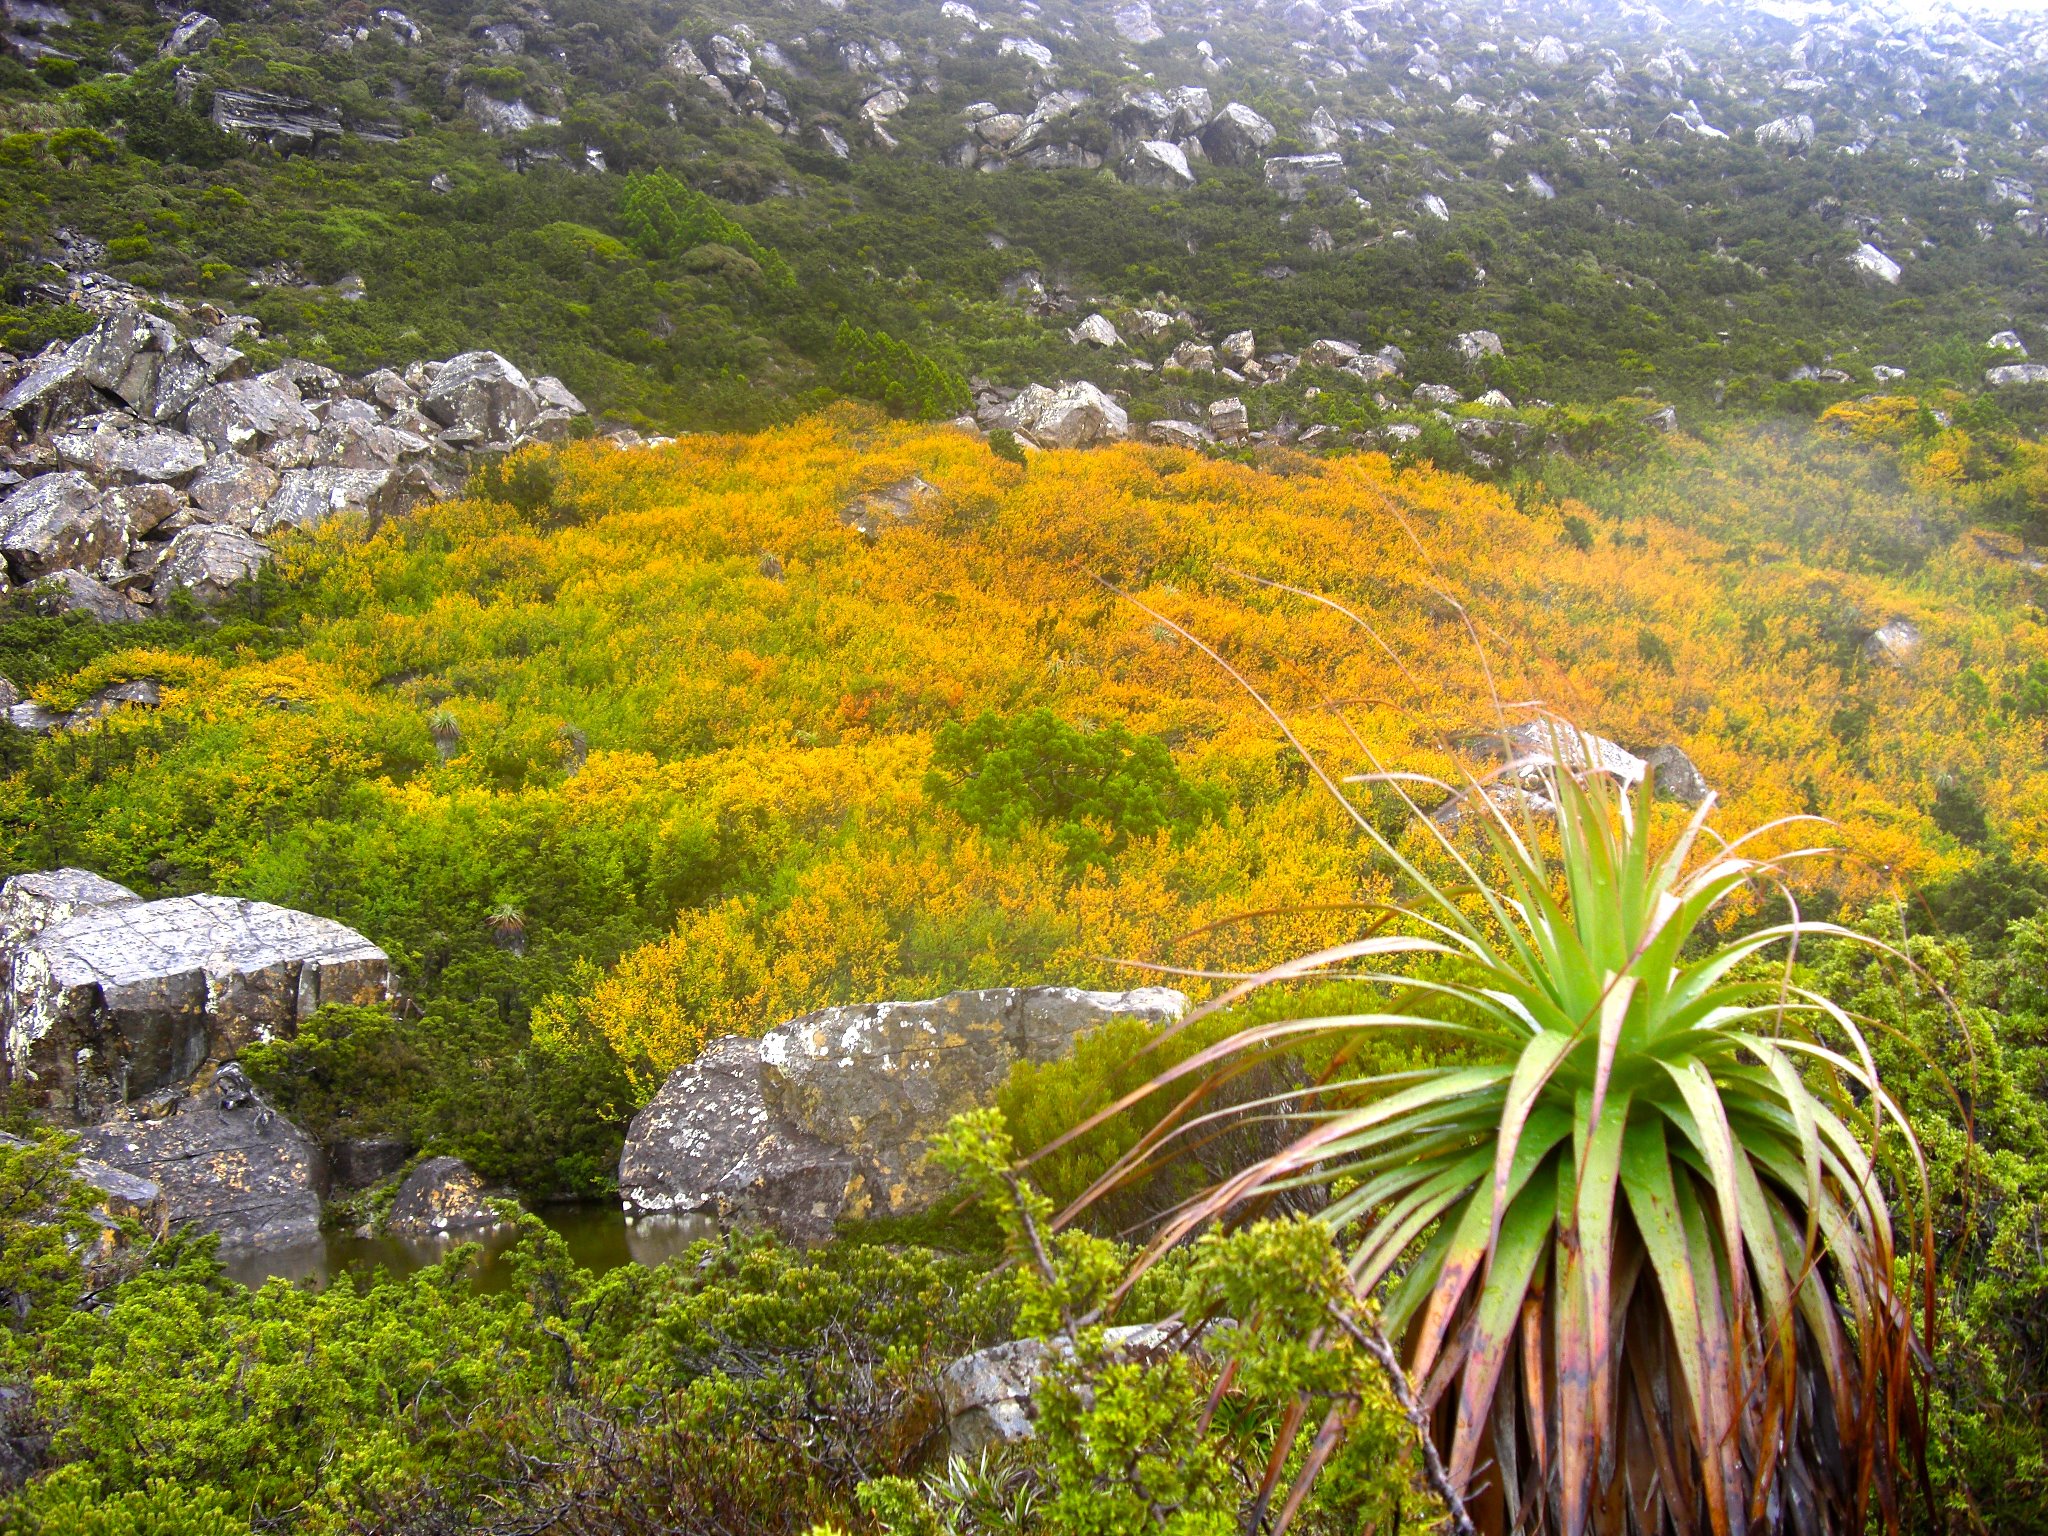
(600, 1237)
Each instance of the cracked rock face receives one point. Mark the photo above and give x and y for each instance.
(121, 998)
(223, 1159)
(482, 394)
(829, 1115)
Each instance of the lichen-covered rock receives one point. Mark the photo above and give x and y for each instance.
(1674, 776)
(1073, 416)
(1294, 176)
(122, 353)
(187, 372)
(482, 397)
(708, 1145)
(32, 902)
(55, 390)
(1175, 434)
(990, 1396)
(70, 591)
(1227, 418)
(244, 414)
(1475, 346)
(1158, 165)
(306, 498)
(210, 562)
(224, 1160)
(58, 522)
(1237, 135)
(903, 504)
(828, 1115)
(443, 1194)
(233, 489)
(124, 999)
(157, 455)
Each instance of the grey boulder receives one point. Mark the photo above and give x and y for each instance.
(991, 1396)
(58, 522)
(31, 902)
(122, 354)
(306, 498)
(482, 397)
(188, 371)
(709, 1145)
(1675, 777)
(1294, 176)
(1157, 166)
(1896, 642)
(194, 32)
(224, 1159)
(829, 1116)
(233, 489)
(126, 999)
(441, 1195)
(1237, 135)
(157, 455)
(55, 390)
(1474, 346)
(210, 562)
(71, 591)
(906, 503)
(142, 509)
(239, 413)
(1073, 416)
(1175, 434)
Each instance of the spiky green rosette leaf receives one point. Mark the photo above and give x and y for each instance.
(1634, 1236)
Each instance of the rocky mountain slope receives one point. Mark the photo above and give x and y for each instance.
(699, 217)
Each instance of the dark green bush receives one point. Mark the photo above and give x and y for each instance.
(1095, 790)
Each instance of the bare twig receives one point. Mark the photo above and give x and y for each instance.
(1374, 1342)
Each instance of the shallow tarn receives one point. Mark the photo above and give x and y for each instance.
(600, 1238)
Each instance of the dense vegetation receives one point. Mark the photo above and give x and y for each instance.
(605, 788)
(601, 779)
(627, 749)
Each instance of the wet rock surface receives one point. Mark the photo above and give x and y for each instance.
(827, 1116)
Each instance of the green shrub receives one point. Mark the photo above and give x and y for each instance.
(667, 218)
(1095, 790)
(872, 366)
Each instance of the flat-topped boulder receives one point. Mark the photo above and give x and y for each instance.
(32, 902)
(122, 998)
(830, 1115)
(222, 1158)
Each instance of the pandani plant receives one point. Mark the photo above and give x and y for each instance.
(1632, 1238)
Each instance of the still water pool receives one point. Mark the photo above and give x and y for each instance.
(600, 1237)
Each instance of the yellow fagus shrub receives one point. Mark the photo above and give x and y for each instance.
(689, 681)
